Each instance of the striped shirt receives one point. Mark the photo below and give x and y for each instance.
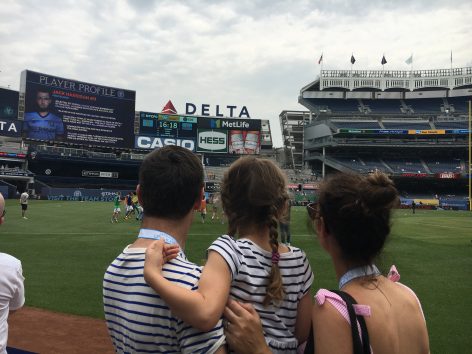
(139, 321)
(250, 267)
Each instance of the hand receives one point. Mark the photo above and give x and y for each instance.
(157, 254)
(243, 329)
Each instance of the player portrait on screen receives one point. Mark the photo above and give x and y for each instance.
(42, 124)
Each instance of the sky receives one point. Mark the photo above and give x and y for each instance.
(256, 54)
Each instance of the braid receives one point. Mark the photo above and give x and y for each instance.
(275, 289)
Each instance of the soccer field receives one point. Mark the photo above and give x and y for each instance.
(65, 248)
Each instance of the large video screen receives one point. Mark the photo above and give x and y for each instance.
(157, 130)
(9, 126)
(75, 112)
(8, 104)
(199, 134)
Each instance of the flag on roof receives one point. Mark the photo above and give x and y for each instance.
(409, 60)
(169, 108)
(384, 61)
(321, 59)
(353, 60)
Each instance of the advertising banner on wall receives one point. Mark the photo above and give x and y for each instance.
(212, 141)
(58, 109)
(10, 128)
(155, 142)
(71, 194)
(229, 124)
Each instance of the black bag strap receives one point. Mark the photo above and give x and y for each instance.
(359, 347)
(310, 343)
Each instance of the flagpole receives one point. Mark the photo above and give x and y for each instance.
(451, 62)
(470, 155)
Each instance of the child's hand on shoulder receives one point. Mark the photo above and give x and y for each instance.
(157, 254)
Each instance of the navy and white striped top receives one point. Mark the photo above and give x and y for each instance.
(139, 321)
(250, 267)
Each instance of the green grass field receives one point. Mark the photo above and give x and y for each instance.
(65, 248)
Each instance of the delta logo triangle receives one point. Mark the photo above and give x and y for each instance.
(169, 108)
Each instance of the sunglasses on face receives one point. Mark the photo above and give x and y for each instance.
(313, 210)
(4, 212)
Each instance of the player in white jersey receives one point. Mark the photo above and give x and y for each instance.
(138, 319)
(254, 268)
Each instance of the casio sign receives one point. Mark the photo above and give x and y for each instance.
(147, 142)
(212, 141)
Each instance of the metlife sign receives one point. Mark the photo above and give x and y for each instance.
(212, 141)
(229, 124)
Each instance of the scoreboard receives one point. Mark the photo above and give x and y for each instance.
(166, 125)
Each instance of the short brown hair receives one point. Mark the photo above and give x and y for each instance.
(170, 180)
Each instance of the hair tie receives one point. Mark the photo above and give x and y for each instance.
(275, 257)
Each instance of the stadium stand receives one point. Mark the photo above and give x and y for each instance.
(416, 129)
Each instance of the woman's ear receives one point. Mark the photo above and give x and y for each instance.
(322, 233)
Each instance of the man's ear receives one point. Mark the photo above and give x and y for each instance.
(198, 202)
(139, 194)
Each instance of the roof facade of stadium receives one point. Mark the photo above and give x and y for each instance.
(392, 80)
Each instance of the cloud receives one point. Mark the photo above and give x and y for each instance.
(250, 53)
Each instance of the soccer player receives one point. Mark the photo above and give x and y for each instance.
(42, 124)
(203, 209)
(116, 208)
(24, 204)
(128, 205)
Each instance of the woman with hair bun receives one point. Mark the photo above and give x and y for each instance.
(352, 221)
(248, 264)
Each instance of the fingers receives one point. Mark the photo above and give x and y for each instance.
(240, 309)
(171, 251)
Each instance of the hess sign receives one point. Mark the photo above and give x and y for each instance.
(212, 141)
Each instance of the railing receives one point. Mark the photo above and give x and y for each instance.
(386, 79)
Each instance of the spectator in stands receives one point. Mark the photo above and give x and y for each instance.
(352, 220)
(42, 124)
(249, 263)
(24, 204)
(138, 319)
(12, 291)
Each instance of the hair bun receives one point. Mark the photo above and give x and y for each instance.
(379, 191)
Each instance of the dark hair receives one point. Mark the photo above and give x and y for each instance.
(253, 194)
(356, 210)
(170, 179)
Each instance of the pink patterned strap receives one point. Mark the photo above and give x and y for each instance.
(335, 300)
(393, 274)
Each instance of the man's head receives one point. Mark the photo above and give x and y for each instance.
(170, 182)
(43, 99)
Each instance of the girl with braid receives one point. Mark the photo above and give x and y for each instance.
(248, 264)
